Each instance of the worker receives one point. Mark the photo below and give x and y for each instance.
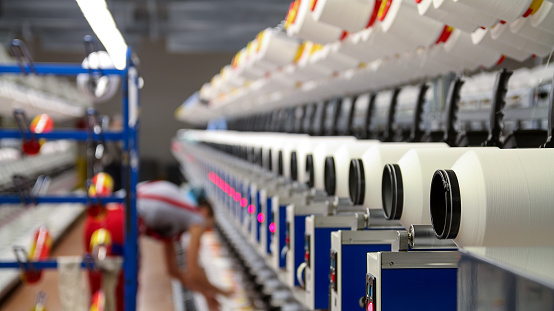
(164, 214)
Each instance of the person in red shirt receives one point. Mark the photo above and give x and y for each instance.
(165, 215)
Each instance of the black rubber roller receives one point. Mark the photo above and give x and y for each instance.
(445, 204)
(356, 181)
(330, 176)
(392, 191)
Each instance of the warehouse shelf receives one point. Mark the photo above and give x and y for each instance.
(128, 137)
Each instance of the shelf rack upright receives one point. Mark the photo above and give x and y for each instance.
(129, 138)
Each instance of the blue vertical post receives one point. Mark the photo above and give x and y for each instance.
(130, 147)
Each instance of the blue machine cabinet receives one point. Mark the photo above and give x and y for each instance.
(413, 280)
(348, 262)
(296, 225)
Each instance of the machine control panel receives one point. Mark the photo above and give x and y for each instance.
(370, 288)
(333, 275)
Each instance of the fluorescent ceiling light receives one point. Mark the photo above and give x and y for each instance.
(101, 21)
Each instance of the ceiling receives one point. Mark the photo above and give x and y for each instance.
(186, 25)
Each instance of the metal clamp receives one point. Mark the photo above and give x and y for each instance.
(21, 256)
(89, 262)
(420, 237)
(40, 301)
(95, 149)
(23, 57)
(41, 185)
(22, 185)
(23, 124)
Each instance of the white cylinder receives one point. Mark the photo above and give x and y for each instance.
(502, 32)
(483, 37)
(471, 56)
(276, 48)
(320, 152)
(544, 18)
(376, 44)
(522, 26)
(291, 145)
(401, 21)
(495, 197)
(350, 15)
(479, 18)
(305, 27)
(427, 9)
(406, 184)
(338, 166)
(308, 148)
(329, 58)
(374, 160)
(507, 10)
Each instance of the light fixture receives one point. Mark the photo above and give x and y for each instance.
(102, 23)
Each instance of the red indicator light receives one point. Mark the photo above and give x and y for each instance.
(261, 217)
(306, 256)
(251, 209)
(272, 227)
(370, 306)
(333, 278)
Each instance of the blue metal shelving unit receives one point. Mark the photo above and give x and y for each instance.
(129, 137)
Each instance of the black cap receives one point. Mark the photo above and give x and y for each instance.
(310, 171)
(293, 166)
(330, 176)
(356, 181)
(270, 160)
(445, 204)
(392, 191)
(280, 169)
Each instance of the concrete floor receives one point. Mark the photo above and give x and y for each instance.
(155, 285)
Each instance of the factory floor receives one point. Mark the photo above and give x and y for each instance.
(155, 284)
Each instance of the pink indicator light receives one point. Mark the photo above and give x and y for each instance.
(237, 196)
(272, 227)
(243, 202)
(370, 306)
(231, 192)
(251, 209)
(261, 217)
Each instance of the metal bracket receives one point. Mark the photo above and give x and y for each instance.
(23, 124)
(21, 256)
(23, 57)
(402, 242)
(22, 184)
(424, 237)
